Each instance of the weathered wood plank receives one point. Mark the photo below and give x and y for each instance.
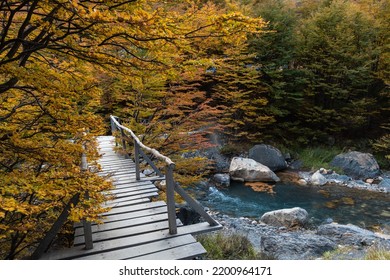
(188, 251)
(123, 232)
(131, 215)
(127, 203)
(128, 241)
(118, 160)
(140, 250)
(133, 185)
(115, 171)
(124, 223)
(132, 179)
(131, 208)
(132, 190)
(128, 200)
(132, 195)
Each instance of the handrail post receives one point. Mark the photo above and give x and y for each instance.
(123, 139)
(87, 230)
(136, 160)
(170, 192)
(113, 127)
(86, 224)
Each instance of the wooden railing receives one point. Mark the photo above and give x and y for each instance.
(140, 150)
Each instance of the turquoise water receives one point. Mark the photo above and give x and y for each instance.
(342, 204)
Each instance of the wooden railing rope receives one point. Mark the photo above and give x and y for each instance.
(171, 185)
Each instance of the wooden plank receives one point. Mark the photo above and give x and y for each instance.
(132, 179)
(129, 215)
(128, 200)
(116, 161)
(133, 215)
(123, 232)
(188, 251)
(136, 251)
(134, 185)
(127, 203)
(124, 242)
(124, 223)
(115, 170)
(132, 190)
(132, 195)
(130, 208)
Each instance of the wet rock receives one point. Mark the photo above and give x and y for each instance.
(222, 179)
(347, 234)
(327, 221)
(357, 165)
(369, 181)
(187, 215)
(268, 156)
(302, 182)
(245, 169)
(338, 179)
(296, 165)
(291, 217)
(148, 172)
(221, 162)
(385, 185)
(318, 179)
(295, 246)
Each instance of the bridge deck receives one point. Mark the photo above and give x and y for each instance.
(134, 227)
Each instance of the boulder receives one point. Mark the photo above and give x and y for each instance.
(246, 169)
(268, 156)
(295, 246)
(222, 179)
(385, 185)
(187, 215)
(318, 179)
(357, 165)
(286, 217)
(347, 234)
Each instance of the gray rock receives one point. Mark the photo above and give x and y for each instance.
(148, 171)
(286, 217)
(220, 162)
(338, 179)
(327, 221)
(269, 156)
(295, 246)
(347, 234)
(385, 185)
(296, 165)
(245, 169)
(188, 216)
(318, 179)
(357, 165)
(222, 179)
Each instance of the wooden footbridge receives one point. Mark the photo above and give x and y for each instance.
(136, 227)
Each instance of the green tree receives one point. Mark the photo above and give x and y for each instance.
(338, 53)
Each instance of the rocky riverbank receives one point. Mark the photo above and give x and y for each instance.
(276, 241)
(299, 243)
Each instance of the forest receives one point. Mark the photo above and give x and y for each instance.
(293, 73)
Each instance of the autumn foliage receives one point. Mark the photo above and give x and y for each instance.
(60, 60)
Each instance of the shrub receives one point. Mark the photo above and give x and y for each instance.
(222, 246)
